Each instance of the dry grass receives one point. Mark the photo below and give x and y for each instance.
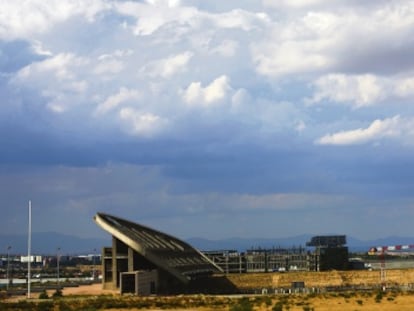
(94, 298)
(86, 298)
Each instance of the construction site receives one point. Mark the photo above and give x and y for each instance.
(144, 261)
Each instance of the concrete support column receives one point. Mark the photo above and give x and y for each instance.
(115, 275)
(130, 259)
(103, 265)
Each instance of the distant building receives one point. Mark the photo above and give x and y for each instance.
(33, 259)
(261, 260)
(330, 253)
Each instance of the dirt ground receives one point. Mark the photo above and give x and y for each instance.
(93, 290)
(323, 302)
(327, 302)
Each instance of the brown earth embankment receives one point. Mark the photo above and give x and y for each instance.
(399, 277)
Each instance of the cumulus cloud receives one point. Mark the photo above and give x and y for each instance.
(227, 48)
(24, 19)
(359, 91)
(113, 101)
(54, 78)
(112, 63)
(212, 93)
(320, 40)
(395, 127)
(142, 124)
(111, 66)
(149, 18)
(227, 80)
(405, 87)
(60, 66)
(292, 3)
(169, 66)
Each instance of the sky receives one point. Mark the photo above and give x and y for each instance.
(211, 119)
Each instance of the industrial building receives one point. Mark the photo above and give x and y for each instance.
(145, 261)
(261, 260)
(330, 253)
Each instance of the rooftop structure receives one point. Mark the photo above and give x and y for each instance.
(327, 241)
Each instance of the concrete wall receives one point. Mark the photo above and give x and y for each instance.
(143, 283)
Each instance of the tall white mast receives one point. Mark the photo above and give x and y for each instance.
(29, 246)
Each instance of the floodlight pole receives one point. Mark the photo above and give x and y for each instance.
(93, 264)
(57, 259)
(8, 265)
(29, 246)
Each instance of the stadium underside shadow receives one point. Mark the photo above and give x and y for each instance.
(212, 285)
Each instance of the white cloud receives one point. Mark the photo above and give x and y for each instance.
(395, 127)
(358, 91)
(298, 45)
(113, 101)
(111, 66)
(22, 19)
(39, 49)
(212, 93)
(405, 87)
(293, 3)
(55, 79)
(152, 17)
(112, 63)
(227, 48)
(143, 124)
(116, 54)
(60, 65)
(169, 66)
(353, 38)
(182, 52)
(168, 3)
(238, 19)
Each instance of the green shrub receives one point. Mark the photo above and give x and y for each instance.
(43, 295)
(45, 306)
(278, 306)
(378, 297)
(58, 293)
(242, 305)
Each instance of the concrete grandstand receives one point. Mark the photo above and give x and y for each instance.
(146, 261)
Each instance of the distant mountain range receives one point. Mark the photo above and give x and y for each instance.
(242, 244)
(48, 242)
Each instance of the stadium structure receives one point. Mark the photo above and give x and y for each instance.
(146, 261)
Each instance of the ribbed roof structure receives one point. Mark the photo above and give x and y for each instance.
(165, 251)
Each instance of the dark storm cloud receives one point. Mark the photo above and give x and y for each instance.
(192, 115)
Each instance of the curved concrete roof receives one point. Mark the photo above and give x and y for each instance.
(165, 251)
